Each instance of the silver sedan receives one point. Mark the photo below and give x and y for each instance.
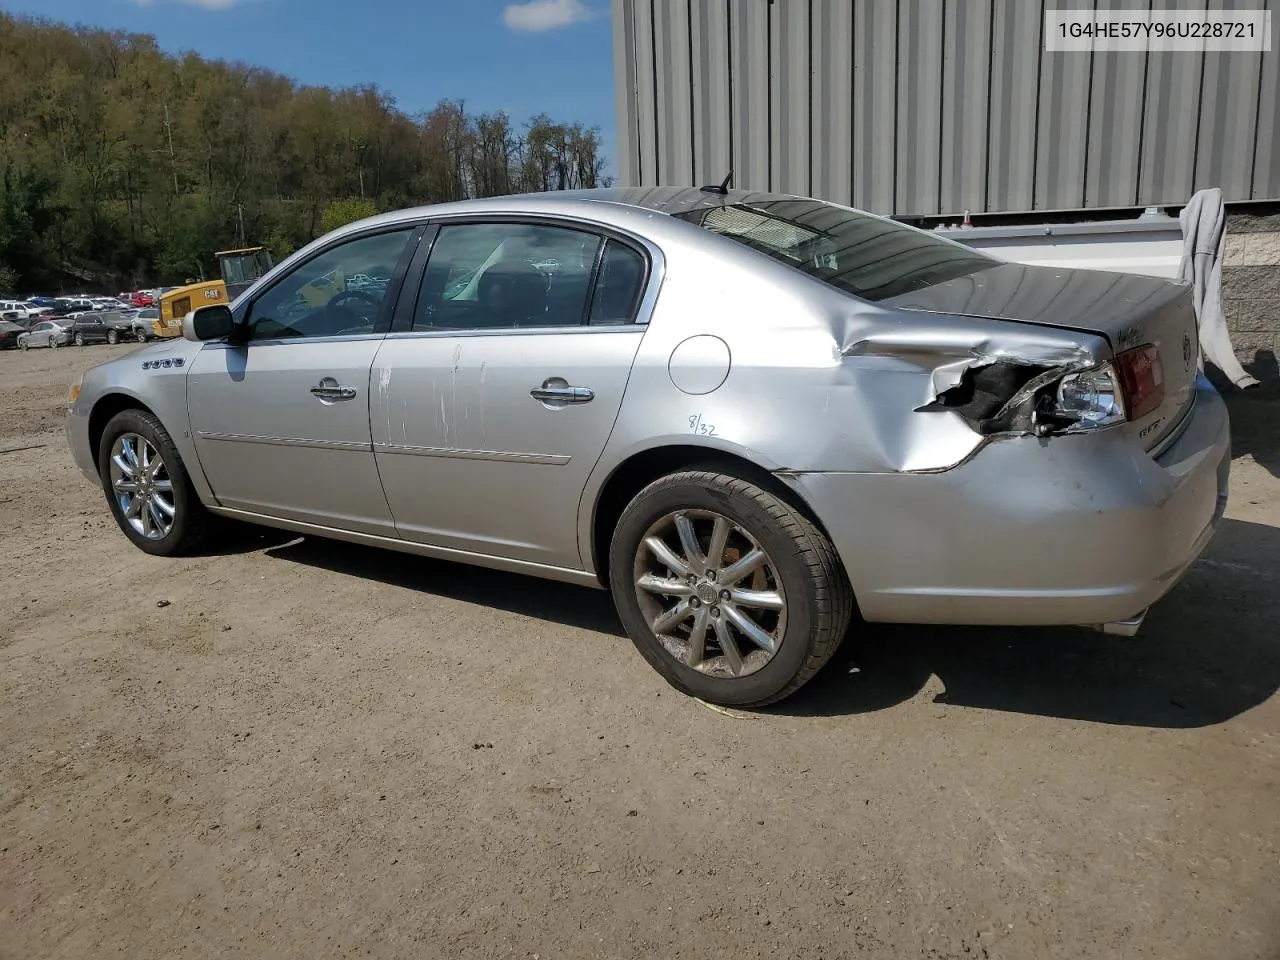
(46, 333)
(753, 418)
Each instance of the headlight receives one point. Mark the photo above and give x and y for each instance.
(1091, 398)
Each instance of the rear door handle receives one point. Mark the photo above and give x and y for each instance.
(328, 390)
(557, 390)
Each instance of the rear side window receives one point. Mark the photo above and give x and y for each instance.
(618, 285)
(866, 256)
(486, 276)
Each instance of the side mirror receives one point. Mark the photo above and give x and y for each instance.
(208, 323)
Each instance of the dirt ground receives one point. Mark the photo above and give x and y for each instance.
(307, 749)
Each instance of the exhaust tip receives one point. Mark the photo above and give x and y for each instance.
(1122, 628)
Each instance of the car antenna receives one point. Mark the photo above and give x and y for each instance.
(722, 187)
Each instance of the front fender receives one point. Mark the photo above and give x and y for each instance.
(125, 381)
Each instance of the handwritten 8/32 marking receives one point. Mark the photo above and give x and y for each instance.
(702, 429)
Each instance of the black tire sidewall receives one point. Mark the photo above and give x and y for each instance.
(740, 506)
(184, 497)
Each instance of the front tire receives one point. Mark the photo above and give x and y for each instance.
(22, 345)
(53, 343)
(731, 594)
(148, 488)
(112, 337)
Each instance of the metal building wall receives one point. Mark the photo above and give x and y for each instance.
(930, 107)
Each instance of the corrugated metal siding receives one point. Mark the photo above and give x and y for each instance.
(1015, 103)
(919, 126)
(831, 112)
(966, 94)
(875, 105)
(709, 35)
(1115, 112)
(934, 106)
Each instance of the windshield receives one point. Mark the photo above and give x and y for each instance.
(867, 256)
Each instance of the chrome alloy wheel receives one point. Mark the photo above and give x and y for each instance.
(142, 486)
(710, 593)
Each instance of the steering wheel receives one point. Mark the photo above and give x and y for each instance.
(340, 298)
(367, 315)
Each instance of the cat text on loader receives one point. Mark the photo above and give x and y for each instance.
(239, 269)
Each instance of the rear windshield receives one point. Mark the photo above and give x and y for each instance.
(869, 257)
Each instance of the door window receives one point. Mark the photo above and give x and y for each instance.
(502, 275)
(618, 285)
(343, 291)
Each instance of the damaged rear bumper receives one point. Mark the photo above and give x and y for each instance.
(1073, 529)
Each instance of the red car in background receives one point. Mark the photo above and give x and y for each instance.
(141, 299)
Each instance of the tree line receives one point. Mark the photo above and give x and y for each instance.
(123, 165)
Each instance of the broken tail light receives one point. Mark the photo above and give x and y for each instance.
(1011, 397)
(1091, 398)
(1141, 379)
(1128, 388)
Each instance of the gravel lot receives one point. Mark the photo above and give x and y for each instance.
(307, 749)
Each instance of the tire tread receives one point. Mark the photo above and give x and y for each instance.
(198, 525)
(833, 601)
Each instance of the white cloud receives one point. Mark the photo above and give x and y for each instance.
(538, 15)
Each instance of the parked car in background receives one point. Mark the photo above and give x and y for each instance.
(142, 298)
(47, 333)
(144, 322)
(15, 310)
(70, 306)
(9, 333)
(102, 328)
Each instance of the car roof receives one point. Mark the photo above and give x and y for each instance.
(586, 203)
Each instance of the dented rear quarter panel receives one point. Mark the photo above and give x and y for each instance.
(815, 379)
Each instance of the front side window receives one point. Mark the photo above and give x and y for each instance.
(502, 275)
(320, 298)
(866, 256)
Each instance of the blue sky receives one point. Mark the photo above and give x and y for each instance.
(552, 56)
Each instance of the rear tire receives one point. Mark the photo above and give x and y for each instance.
(783, 620)
(190, 528)
(79, 339)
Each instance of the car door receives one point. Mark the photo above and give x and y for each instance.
(501, 382)
(87, 328)
(280, 416)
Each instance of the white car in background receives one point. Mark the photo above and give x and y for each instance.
(15, 310)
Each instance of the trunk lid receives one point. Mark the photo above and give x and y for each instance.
(1128, 310)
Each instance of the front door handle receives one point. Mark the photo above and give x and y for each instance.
(328, 390)
(557, 390)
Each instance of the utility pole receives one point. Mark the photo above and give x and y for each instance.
(240, 221)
